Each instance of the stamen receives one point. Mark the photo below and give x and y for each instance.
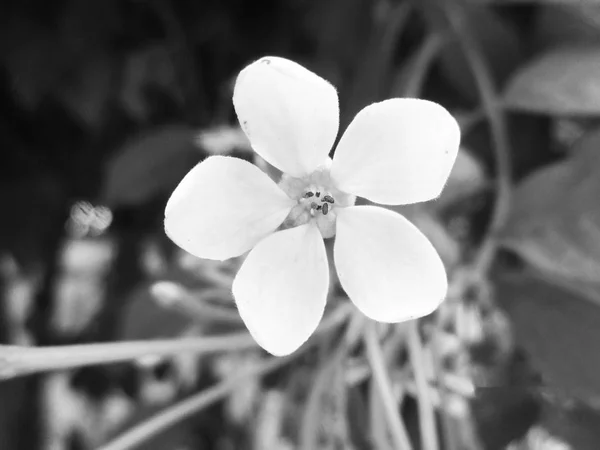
(308, 194)
(325, 208)
(318, 194)
(328, 199)
(314, 206)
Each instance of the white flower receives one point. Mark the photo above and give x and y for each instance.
(394, 152)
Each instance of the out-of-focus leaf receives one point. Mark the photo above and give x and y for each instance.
(145, 318)
(149, 165)
(577, 425)
(560, 24)
(146, 69)
(563, 81)
(495, 38)
(467, 178)
(559, 328)
(555, 221)
(87, 94)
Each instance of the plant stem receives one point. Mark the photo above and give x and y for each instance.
(493, 110)
(427, 420)
(139, 434)
(17, 361)
(382, 381)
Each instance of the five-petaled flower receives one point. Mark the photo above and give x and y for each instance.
(398, 151)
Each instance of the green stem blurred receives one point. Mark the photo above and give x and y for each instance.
(382, 381)
(17, 361)
(140, 434)
(427, 421)
(309, 430)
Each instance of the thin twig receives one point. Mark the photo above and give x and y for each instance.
(18, 361)
(311, 417)
(425, 56)
(139, 434)
(494, 113)
(427, 421)
(379, 371)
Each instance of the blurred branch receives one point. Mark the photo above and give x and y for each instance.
(18, 361)
(424, 58)
(150, 428)
(139, 434)
(427, 425)
(309, 429)
(383, 383)
(188, 73)
(493, 111)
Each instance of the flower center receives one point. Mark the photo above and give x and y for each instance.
(318, 200)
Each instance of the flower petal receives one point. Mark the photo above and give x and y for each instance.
(281, 288)
(386, 265)
(398, 151)
(290, 115)
(223, 207)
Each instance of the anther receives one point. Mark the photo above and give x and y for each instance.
(318, 194)
(308, 194)
(314, 206)
(325, 208)
(328, 199)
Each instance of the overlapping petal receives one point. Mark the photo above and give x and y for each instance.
(281, 288)
(388, 268)
(223, 207)
(290, 115)
(398, 151)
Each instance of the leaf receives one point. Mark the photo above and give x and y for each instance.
(559, 329)
(560, 24)
(149, 165)
(563, 81)
(555, 220)
(145, 318)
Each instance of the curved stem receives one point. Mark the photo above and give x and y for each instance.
(492, 107)
(382, 381)
(427, 420)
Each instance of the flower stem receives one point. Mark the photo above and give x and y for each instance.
(311, 419)
(493, 110)
(423, 60)
(382, 381)
(17, 361)
(427, 421)
(139, 434)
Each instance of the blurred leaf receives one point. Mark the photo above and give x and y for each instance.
(145, 318)
(577, 425)
(569, 23)
(562, 81)
(148, 68)
(150, 164)
(495, 38)
(555, 221)
(88, 93)
(466, 179)
(559, 328)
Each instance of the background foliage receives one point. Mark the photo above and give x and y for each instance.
(104, 106)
